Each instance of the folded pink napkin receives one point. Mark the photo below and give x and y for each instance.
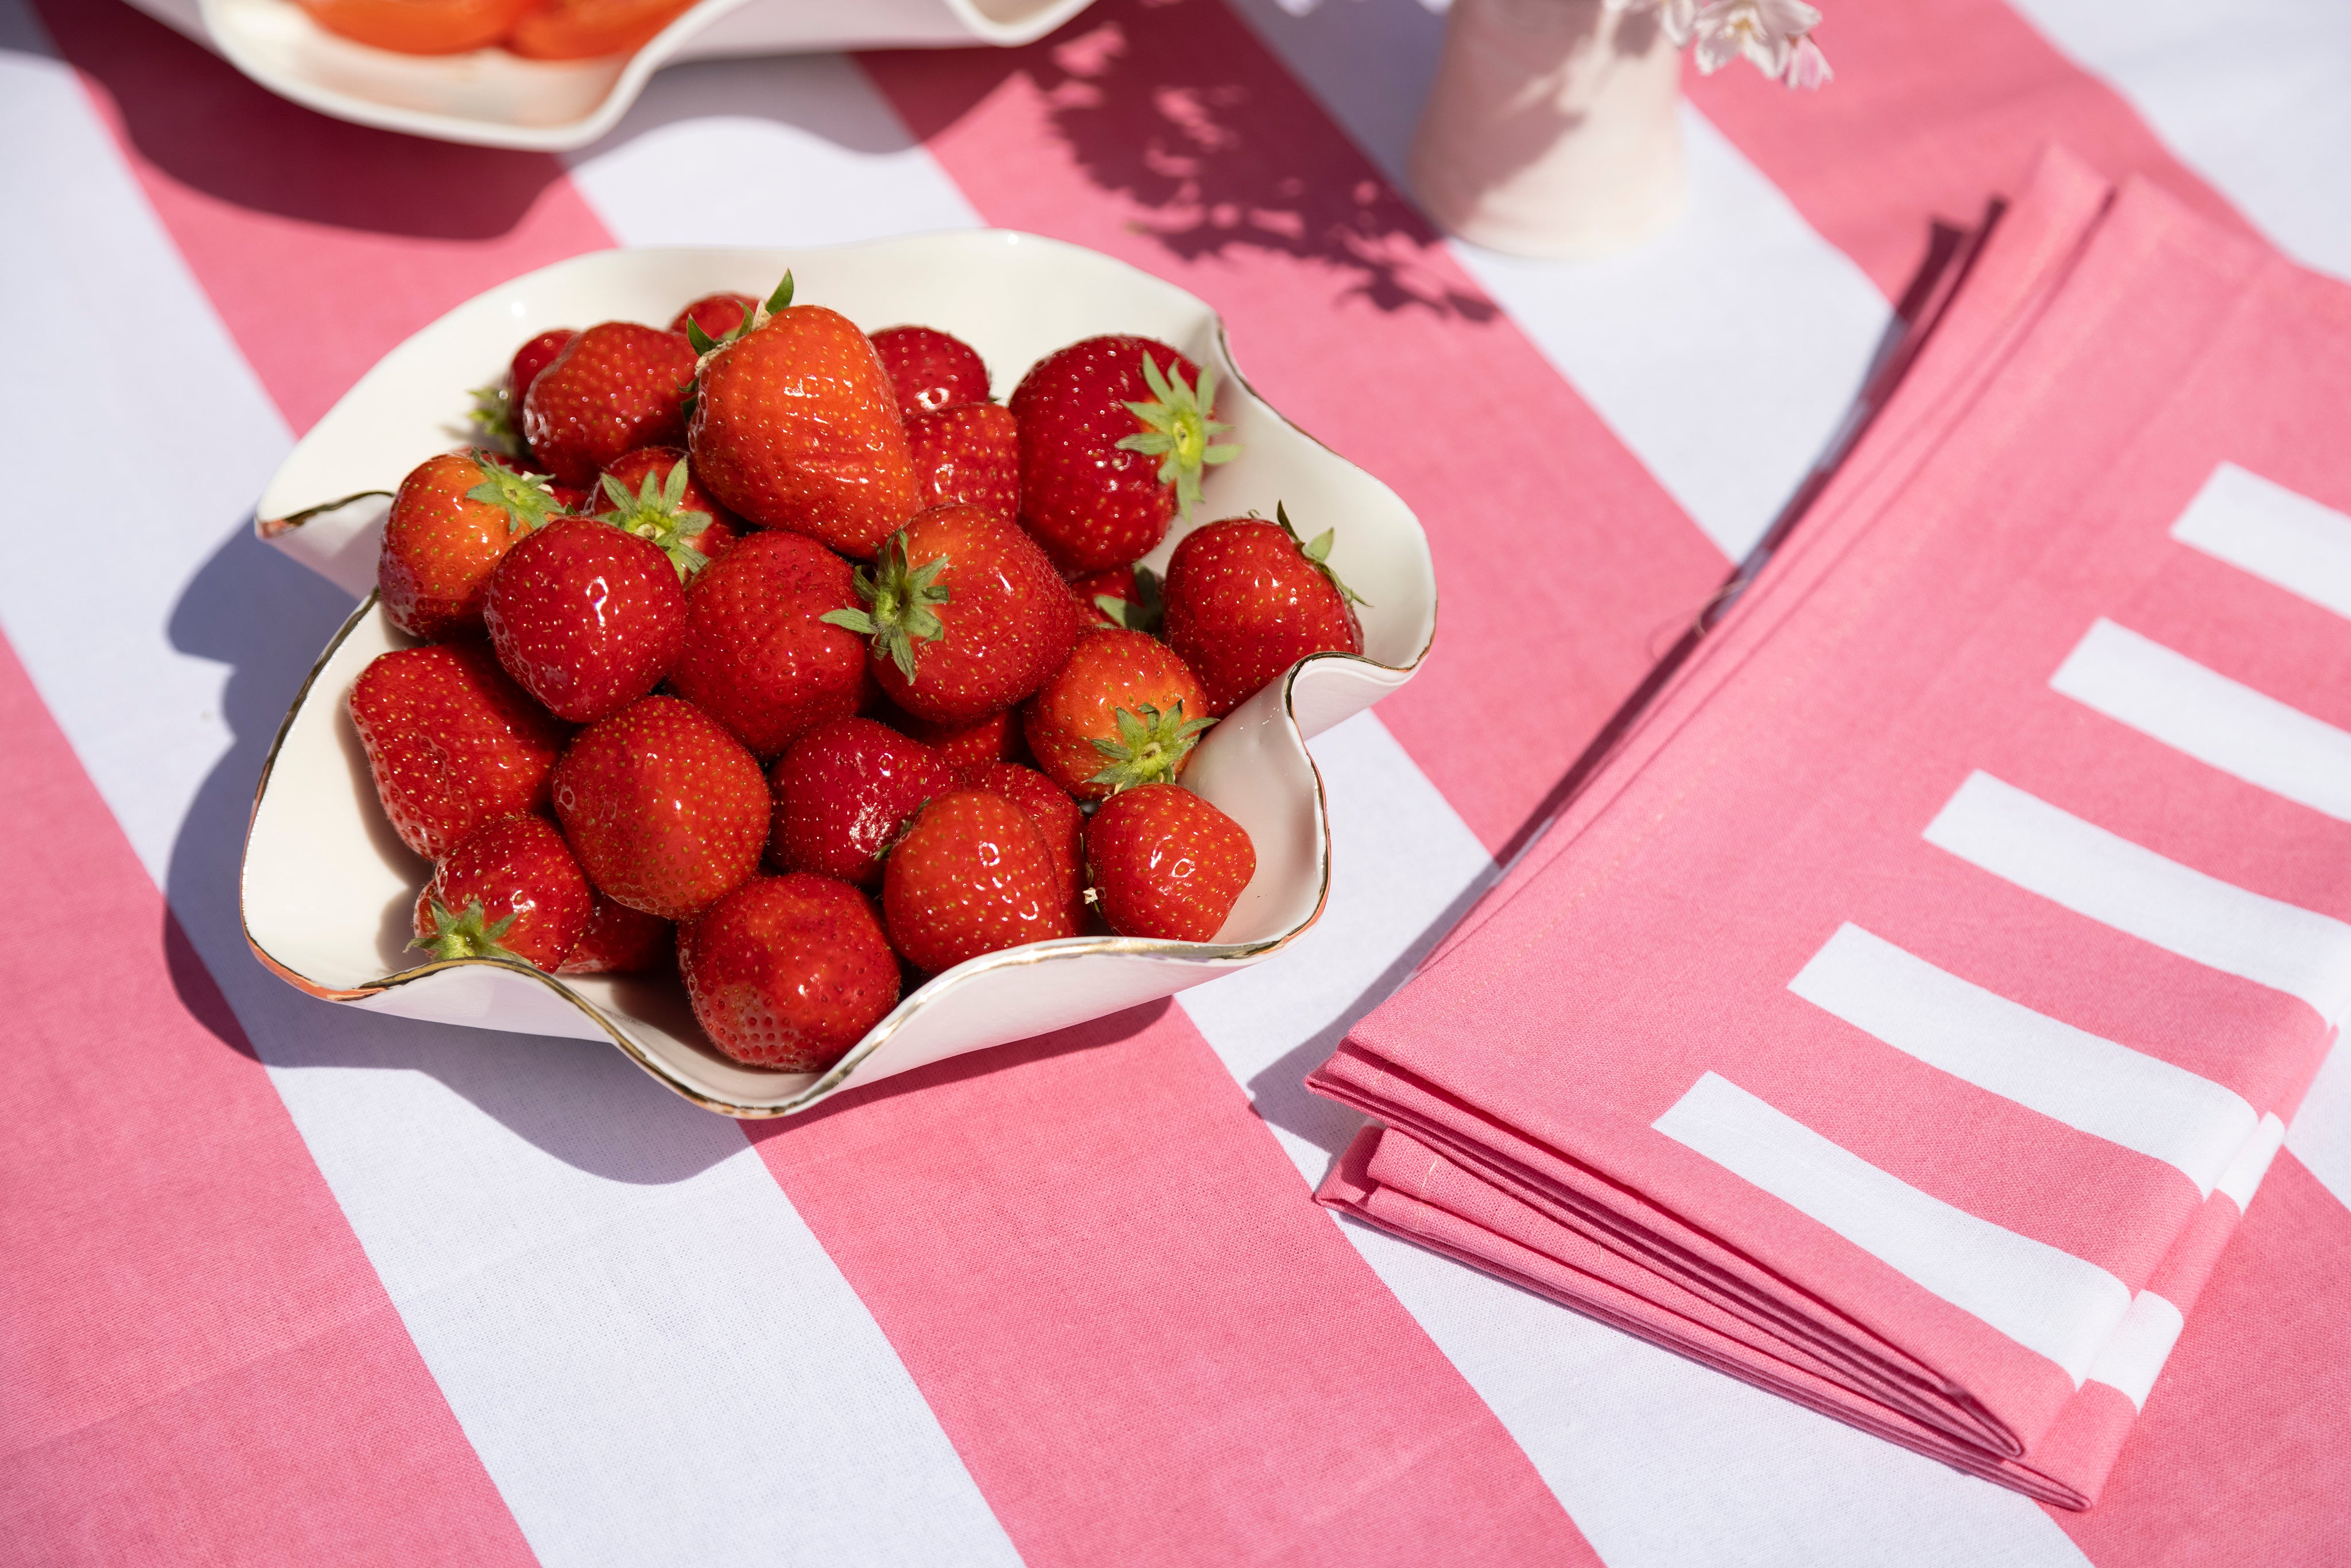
(1901, 1018)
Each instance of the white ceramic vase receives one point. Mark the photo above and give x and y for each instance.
(1551, 131)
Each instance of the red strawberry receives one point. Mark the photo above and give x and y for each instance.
(1122, 711)
(666, 811)
(454, 520)
(929, 369)
(616, 387)
(534, 357)
(760, 657)
(796, 426)
(1124, 596)
(967, 616)
(789, 972)
(497, 407)
(452, 742)
(843, 791)
(1246, 600)
(716, 314)
(971, 876)
(620, 941)
(996, 738)
(510, 890)
(589, 619)
(1114, 435)
(642, 493)
(968, 454)
(1056, 817)
(1167, 865)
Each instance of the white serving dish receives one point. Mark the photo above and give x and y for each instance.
(493, 98)
(328, 886)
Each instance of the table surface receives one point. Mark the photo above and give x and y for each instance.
(294, 1283)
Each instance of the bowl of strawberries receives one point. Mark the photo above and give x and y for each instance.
(798, 687)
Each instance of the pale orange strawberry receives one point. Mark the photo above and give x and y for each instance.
(454, 520)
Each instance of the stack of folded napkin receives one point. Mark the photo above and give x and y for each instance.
(1902, 1016)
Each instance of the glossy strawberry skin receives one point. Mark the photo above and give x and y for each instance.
(844, 792)
(620, 941)
(440, 546)
(970, 454)
(631, 468)
(1166, 864)
(586, 618)
(534, 357)
(1009, 622)
(1118, 582)
(716, 314)
(1244, 604)
(967, 747)
(1108, 670)
(757, 658)
(1090, 504)
(930, 370)
(970, 875)
(1057, 817)
(797, 427)
(516, 866)
(452, 742)
(614, 388)
(666, 811)
(789, 972)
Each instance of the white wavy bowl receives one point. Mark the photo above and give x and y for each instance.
(494, 98)
(327, 887)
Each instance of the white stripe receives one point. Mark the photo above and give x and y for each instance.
(2071, 1075)
(2142, 1342)
(2247, 733)
(2275, 534)
(2049, 1301)
(2243, 1177)
(2249, 94)
(655, 1360)
(1724, 353)
(2119, 884)
(2321, 1135)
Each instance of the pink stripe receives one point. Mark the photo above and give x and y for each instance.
(1165, 134)
(321, 245)
(1104, 1275)
(199, 1362)
(1938, 105)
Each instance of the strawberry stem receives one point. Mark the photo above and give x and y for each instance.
(527, 502)
(1318, 554)
(1178, 428)
(466, 935)
(1150, 746)
(657, 512)
(898, 610)
(1142, 613)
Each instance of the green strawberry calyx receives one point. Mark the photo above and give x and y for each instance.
(493, 418)
(1142, 613)
(467, 935)
(899, 605)
(1317, 552)
(705, 345)
(1178, 431)
(658, 512)
(1150, 746)
(525, 499)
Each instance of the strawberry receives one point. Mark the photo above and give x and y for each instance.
(536, 356)
(1247, 599)
(666, 811)
(930, 370)
(1114, 433)
(589, 619)
(968, 454)
(496, 406)
(1166, 864)
(843, 791)
(716, 314)
(453, 519)
(971, 874)
(966, 614)
(453, 742)
(760, 657)
(616, 387)
(796, 426)
(650, 493)
(510, 890)
(789, 972)
(1056, 817)
(1121, 711)
(996, 738)
(1124, 596)
(620, 941)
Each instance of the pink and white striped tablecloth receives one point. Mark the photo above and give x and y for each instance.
(287, 1284)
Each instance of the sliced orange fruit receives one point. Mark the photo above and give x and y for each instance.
(582, 29)
(419, 26)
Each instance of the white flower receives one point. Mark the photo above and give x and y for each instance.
(1675, 18)
(1765, 31)
(1808, 68)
